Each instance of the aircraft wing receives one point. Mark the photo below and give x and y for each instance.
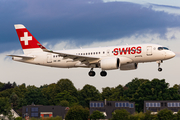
(22, 56)
(83, 59)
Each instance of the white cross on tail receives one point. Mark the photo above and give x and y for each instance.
(26, 38)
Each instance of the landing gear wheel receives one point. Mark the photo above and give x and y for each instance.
(159, 69)
(92, 73)
(103, 73)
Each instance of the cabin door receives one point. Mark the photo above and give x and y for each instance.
(149, 51)
(49, 58)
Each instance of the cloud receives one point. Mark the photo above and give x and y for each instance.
(80, 21)
(170, 39)
(157, 5)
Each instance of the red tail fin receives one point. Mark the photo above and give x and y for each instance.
(27, 40)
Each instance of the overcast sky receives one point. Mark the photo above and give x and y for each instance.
(68, 24)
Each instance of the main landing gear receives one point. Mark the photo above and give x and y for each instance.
(92, 73)
(103, 73)
(159, 64)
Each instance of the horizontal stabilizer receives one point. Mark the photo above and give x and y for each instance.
(22, 56)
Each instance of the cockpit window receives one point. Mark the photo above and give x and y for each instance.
(163, 48)
(160, 48)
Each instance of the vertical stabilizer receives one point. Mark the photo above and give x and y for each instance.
(28, 41)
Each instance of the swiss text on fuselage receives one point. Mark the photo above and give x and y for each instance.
(127, 50)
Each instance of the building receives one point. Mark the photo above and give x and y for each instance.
(154, 106)
(108, 107)
(38, 111)
(14, 115)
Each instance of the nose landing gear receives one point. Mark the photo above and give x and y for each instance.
(159, 69)
(159, 64)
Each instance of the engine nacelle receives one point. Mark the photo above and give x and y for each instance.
(130, 66)
(110, 63)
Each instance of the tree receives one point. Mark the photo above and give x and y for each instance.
(77, 113)
(14, 99)
(5, 106)
(133, 86)
(66, 85)
(97, 115)
(20, 90)
(7, 86)
(138, 116)
(87, 94)
(6, 92)
(34, 95)
(165, 114)
(148, 116)
(65, 96)
(120, 114)
(1, 86)
(50, 93)
(14, 84)
(177, 116)
(64, 103)
(154, 90)
(22, 102)
(106, 93)
(118, 93)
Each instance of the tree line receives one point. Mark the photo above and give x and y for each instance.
(64, 93)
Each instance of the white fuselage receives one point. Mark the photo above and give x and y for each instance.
(126, 54)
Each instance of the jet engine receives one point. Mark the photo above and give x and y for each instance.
(130, 66)
(110, 63)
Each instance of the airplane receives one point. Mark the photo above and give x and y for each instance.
(124, 57)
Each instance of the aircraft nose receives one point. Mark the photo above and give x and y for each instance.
(170, 54)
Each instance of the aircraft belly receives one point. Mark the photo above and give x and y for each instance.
(63, 64)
